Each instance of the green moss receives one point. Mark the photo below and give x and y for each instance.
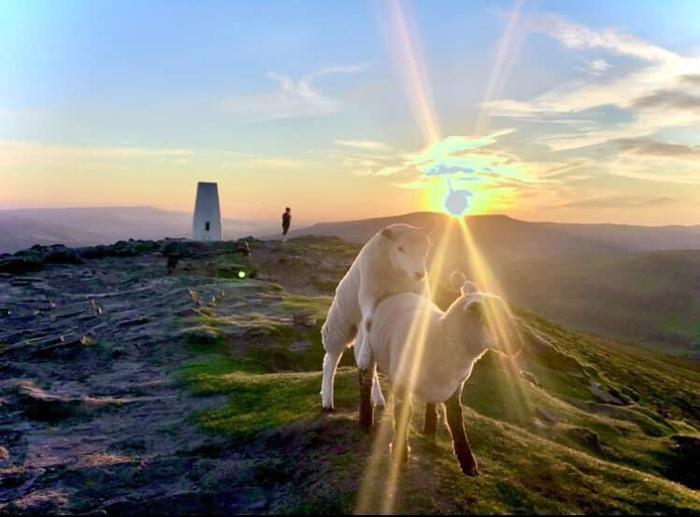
(315, 305)
(264, 402)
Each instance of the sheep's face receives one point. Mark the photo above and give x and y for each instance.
(476, 329)
(480, 321)
(408, 249)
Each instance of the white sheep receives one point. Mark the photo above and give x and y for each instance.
(432, 365)
(391, 262)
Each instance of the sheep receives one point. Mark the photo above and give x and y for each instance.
(434, 368)
(391, 262)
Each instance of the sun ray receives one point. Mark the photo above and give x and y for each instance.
(503, 324)
(380, 482)
(370, 493)
(415, 75)
(498, 73)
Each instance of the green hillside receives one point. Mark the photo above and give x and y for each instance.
(574, 424)
(651, 298)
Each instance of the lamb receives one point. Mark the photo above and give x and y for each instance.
(433, 369)
(391, 262)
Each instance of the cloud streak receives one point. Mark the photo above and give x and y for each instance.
(364, 145)
(295, 98)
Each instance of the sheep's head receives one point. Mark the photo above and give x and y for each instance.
(408, 249)
(480, 321)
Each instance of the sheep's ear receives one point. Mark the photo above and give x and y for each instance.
(425, 231)
(457, 279)
(468, 288)
(388, 233)
(475, 308)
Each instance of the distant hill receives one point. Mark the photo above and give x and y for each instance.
(503, 235)
(18, 233)
(23, 228)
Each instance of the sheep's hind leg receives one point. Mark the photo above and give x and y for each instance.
(377, 395)
(366, 409)
(453, 407)
(430, 422)
(402, 420)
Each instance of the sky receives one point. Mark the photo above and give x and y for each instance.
(576, 111)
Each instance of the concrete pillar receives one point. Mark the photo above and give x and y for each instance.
(206, 224)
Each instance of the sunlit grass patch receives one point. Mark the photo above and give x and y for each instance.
(317, 306)
(264, 402)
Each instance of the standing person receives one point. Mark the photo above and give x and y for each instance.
(286, 221)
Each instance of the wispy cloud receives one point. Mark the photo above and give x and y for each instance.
(14, 153)
(656, 95)
(364, 145)
(597, 66)
(294, 98)
(577, 36)
(644, 146)
(668, 99)
(30, 155)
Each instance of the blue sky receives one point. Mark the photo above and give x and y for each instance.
(594, 106)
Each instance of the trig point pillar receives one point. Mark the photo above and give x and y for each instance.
(206, 224)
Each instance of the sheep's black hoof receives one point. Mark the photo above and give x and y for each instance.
(327, 410)
(472, 473)
(470, 469)
(366, 423)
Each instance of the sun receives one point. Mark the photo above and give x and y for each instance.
(445, 197)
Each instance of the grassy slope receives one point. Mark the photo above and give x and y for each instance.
(653, 298)
(543, 440)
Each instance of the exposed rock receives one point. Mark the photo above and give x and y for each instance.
(584, 437)
(530, 377)
(201, 335)
(41, 405)
(546, 415)
(603, 395)
(304, 319)
(299, 346)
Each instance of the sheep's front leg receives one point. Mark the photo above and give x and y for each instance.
(402, 420)
(430, 422)
(466, 459)
(366, 410)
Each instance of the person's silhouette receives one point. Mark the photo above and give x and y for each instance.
(286, 222)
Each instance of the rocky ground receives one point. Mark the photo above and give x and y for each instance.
(92, 414)
(179, 377)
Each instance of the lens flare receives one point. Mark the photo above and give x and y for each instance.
(380, 484)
